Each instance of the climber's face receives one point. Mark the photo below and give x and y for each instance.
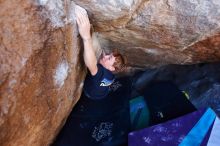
(108, 61)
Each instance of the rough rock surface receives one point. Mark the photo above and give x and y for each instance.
(154, 33)
(41, 71)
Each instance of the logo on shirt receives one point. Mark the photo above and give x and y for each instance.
(106, 82)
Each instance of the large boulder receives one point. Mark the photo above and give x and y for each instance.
(41, 70)
(41, 63)
(155, 33)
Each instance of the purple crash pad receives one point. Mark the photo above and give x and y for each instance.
(170, 133)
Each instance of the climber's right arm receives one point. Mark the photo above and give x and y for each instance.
(84, 30)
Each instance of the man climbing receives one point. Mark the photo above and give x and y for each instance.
(100, 75)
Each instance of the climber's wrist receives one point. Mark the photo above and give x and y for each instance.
(87, 39)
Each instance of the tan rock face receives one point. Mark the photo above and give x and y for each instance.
(41, 67)
(41, 71)
(154, 33)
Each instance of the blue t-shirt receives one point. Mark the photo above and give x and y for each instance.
(97, 86)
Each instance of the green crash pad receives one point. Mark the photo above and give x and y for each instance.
(139, 113)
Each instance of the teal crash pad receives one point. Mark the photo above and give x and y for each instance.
(139, 113)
